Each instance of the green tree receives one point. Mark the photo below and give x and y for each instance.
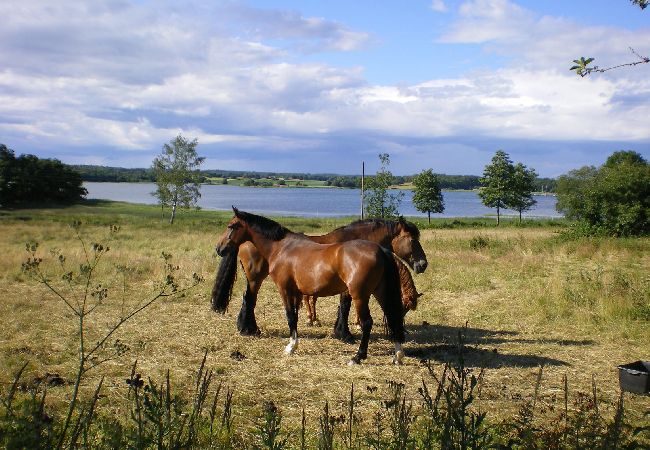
(427, 196)
(497, 183)
(613, 199)
(177, 174)
(28, 180)
(523, 185)
(379, 202)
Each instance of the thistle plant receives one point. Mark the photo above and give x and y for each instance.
(83, 295)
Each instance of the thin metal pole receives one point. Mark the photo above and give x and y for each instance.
(363, 175)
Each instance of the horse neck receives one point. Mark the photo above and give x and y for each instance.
(267, 247)
(379, 235)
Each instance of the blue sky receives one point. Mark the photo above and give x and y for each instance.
(319, 86)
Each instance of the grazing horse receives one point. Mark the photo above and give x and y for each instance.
(410, 294)
(399, 236)
(300, 266)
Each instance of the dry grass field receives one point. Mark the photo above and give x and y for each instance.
(522, 297)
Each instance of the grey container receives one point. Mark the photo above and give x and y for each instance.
(635, 377)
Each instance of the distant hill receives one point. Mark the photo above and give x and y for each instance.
(120, 174)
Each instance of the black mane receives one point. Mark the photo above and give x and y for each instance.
(387, 223)
(268, 228)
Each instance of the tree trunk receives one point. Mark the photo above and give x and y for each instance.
(498, 216)
(171, 219)
(429, 213)
(520, 217)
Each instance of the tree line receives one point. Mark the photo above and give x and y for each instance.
(613, 199)
(28, 180)
(121, 174)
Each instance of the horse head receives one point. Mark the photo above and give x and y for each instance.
(406, 244)
(235, 233)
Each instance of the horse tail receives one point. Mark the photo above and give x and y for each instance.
(391, 304)
(224, 282)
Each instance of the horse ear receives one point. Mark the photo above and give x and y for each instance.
(236, 211)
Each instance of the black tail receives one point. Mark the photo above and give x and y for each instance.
(223, 283)
(392, 303)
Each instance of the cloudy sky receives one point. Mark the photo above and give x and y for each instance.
(319, 86)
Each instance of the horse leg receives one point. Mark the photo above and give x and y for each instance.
(246, 323)
(366, 325)
(312, 310)
(291, 310)
(256, 270)
(306, 301)
(341, 327)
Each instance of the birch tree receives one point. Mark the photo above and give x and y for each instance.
(177, 174)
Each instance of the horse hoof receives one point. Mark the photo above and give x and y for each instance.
(354, 361)
(250, 331)
(316, 323)
(348, 338)
(398, 358)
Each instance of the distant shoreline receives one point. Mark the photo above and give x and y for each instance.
(278, 186)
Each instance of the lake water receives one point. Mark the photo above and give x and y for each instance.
(308, 202)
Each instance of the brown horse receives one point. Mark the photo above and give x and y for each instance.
(410, 294)
(399, 236)
(299, 266)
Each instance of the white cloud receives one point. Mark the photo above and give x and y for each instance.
(541, 41)
(438, 5)
(121, 76)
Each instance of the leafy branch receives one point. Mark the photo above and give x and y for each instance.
(582, 65)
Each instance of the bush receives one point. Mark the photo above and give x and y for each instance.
(611, 200)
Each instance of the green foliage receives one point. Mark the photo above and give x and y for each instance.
(497, 182)
(581, 66)
(113, 174)
(613, 199)
(177, 175)
(643, 4)
(378, 201)
(508, 186)
(427, 196)
(479, 242)
(345, 181)
(452, 421)
(29, 180)
(523, 183)
(269, 429)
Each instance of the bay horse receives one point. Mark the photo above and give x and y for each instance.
(299, 266)
(400, 236)
(410, 294)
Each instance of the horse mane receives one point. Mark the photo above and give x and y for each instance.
(392, 303)
(224, 282)
(268, 228)
(386, 223)
(409, 292)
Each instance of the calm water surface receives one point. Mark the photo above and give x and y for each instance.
(308, 202)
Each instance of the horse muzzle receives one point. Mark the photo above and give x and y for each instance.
(420, 266)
